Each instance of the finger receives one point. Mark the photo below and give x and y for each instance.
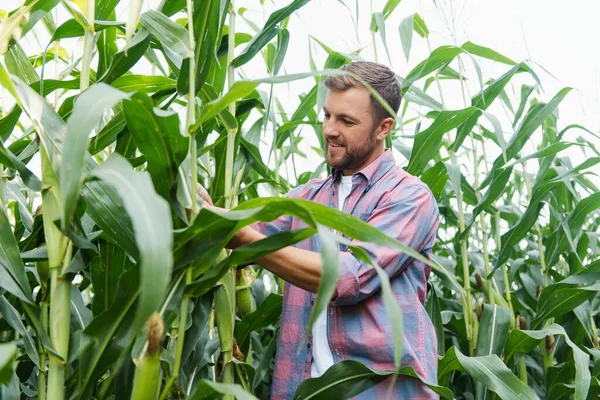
(204, 195)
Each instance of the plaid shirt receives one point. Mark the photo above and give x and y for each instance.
(403, 207)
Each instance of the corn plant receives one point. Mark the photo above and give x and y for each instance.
(116, 283)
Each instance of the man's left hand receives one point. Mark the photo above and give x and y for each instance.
(244, 236)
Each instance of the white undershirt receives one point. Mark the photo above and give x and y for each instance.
(322, 357)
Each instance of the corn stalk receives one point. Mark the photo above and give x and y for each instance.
(225, 295)
(190, 118)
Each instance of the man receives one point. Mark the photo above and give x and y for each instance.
(366, 183)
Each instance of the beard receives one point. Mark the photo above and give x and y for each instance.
(353, 157)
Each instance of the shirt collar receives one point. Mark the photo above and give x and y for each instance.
(372, 172)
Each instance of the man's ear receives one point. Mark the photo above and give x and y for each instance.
(385, 127)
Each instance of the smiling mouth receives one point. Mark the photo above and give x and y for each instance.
(335, 145)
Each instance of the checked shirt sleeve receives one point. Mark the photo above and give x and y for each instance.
(409, 214)
(280, 224)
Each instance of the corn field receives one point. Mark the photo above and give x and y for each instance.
(115, 283)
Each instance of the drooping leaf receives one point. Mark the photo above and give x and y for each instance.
(124, 60)
(88, 109)
(174, 38)
(349, 378)
(207, 390)
(12, 317)
(156, 133)
(152, 225)
(524, 341)
(490, 371)
(388, 8)
(106, 208)
(12, 270)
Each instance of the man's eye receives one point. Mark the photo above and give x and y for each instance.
(326, 116)
(347, 122)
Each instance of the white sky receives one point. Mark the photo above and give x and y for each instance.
(556, 36)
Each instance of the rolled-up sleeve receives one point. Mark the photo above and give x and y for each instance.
(280, 224)
(410, 215)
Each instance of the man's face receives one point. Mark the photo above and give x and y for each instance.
(350, 132)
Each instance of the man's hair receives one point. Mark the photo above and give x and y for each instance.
(378, 76)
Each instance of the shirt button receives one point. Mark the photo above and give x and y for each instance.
(308, 345)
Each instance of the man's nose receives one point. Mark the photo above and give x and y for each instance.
(330, 130)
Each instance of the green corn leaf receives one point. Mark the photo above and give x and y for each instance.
(486, 52)
(9, 160)
(349, 378)
(496, 189)
(13, 318)
(539, 194)
(428, 142)
(534, 118)
(560, 298)
(106, 269)
(283, 40)
(19, 65)
(434, 310)
(8, 354)
(158, 138)
(71, 28)
(87, 112)
(104, 8)
(547, 151)
(12, 270)
(388, 8)
(244, 88)
(174, 38)
(209, 18)
(106, 209)
(38, 11)
(439, 58)
(268, 32)
(558, 242)
(152, 225)
(380, 21)
(108, 134)
(493, 330)
(436, 178)
(207, 390)
(524, 341)
(489, 371)
(266, 314)
(484, 99)
(419, 26)
(143, 83)
(265, 362)
(109, 333)
(127, 58)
